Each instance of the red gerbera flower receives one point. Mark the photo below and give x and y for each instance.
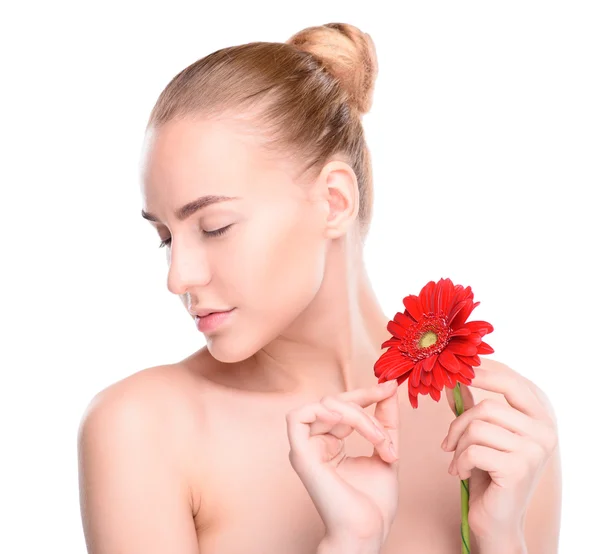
(432, 343)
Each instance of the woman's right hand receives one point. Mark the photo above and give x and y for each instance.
(357, 498)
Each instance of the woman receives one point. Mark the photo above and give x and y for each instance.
(258, 180)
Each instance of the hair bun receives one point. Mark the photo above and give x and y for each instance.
(348, 54)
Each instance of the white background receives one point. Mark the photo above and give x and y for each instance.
(485, 141)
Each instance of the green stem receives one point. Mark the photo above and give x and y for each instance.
(464, 487)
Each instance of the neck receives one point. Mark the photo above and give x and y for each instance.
(332, 346)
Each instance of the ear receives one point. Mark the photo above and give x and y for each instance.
(339, 181)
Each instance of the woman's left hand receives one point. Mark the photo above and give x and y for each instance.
(502, 449)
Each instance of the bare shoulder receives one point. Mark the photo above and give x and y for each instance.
(146, 397)
(134, 465)
(160, 402)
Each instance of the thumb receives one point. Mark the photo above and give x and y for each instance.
(466, 394)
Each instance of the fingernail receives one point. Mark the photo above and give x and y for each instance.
(393, 450)
(445, 443)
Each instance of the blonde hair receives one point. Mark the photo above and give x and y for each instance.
(306, 97)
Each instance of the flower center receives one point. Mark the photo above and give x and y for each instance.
(426, 337)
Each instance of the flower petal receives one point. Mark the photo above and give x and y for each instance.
(396, 330)
(435, 394)
(484, 348)
(449, 361)
(429, 362)
(463, 314)
(467, 371)
(453, 379)
(462, 347)
(438, 295)
(447, 296)
(399, 380)
(404, 320)
(413, 305)
(426, 377)
(403, 377)
(474, 338)
(426, 297)
(390, 342)
(415, 376)
(471, 360)
(414, 401)
(392, 364)
(481, 327)
(461, 294)
(448, 379)
(462, 379)
(438, 376)
(465, 368)
(462, 332)
(453, 313)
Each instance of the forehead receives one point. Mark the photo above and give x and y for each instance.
(185, 158)
(183, 148)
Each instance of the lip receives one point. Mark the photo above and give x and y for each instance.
(202, 313)
(212, 321)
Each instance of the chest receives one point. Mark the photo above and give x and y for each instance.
(252, 501)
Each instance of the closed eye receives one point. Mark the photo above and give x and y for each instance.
(217, 233)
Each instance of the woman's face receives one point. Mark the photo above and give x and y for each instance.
(269, 262)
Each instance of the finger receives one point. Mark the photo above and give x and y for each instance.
(387, 411)
(497, 463)
(543, 399)
(320, 481)
(355, 418)
(506, 381)
(366, 396)
(324, 423)
(466, 395)
(389, 441)
(494, 412)
(299, 423)
(486, 434)
(381, 428)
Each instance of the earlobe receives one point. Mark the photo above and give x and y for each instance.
(343, 197)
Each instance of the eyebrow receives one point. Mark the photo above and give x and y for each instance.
(192, 207)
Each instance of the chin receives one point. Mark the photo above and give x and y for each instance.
(229, 350)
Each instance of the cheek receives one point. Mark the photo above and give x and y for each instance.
(283, 268)
(294, 269)
(273, 275)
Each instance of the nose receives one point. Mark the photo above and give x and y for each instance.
(188, 267)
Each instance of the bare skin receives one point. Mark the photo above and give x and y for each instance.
(272, 512)
(193, 456)
(241, 492)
